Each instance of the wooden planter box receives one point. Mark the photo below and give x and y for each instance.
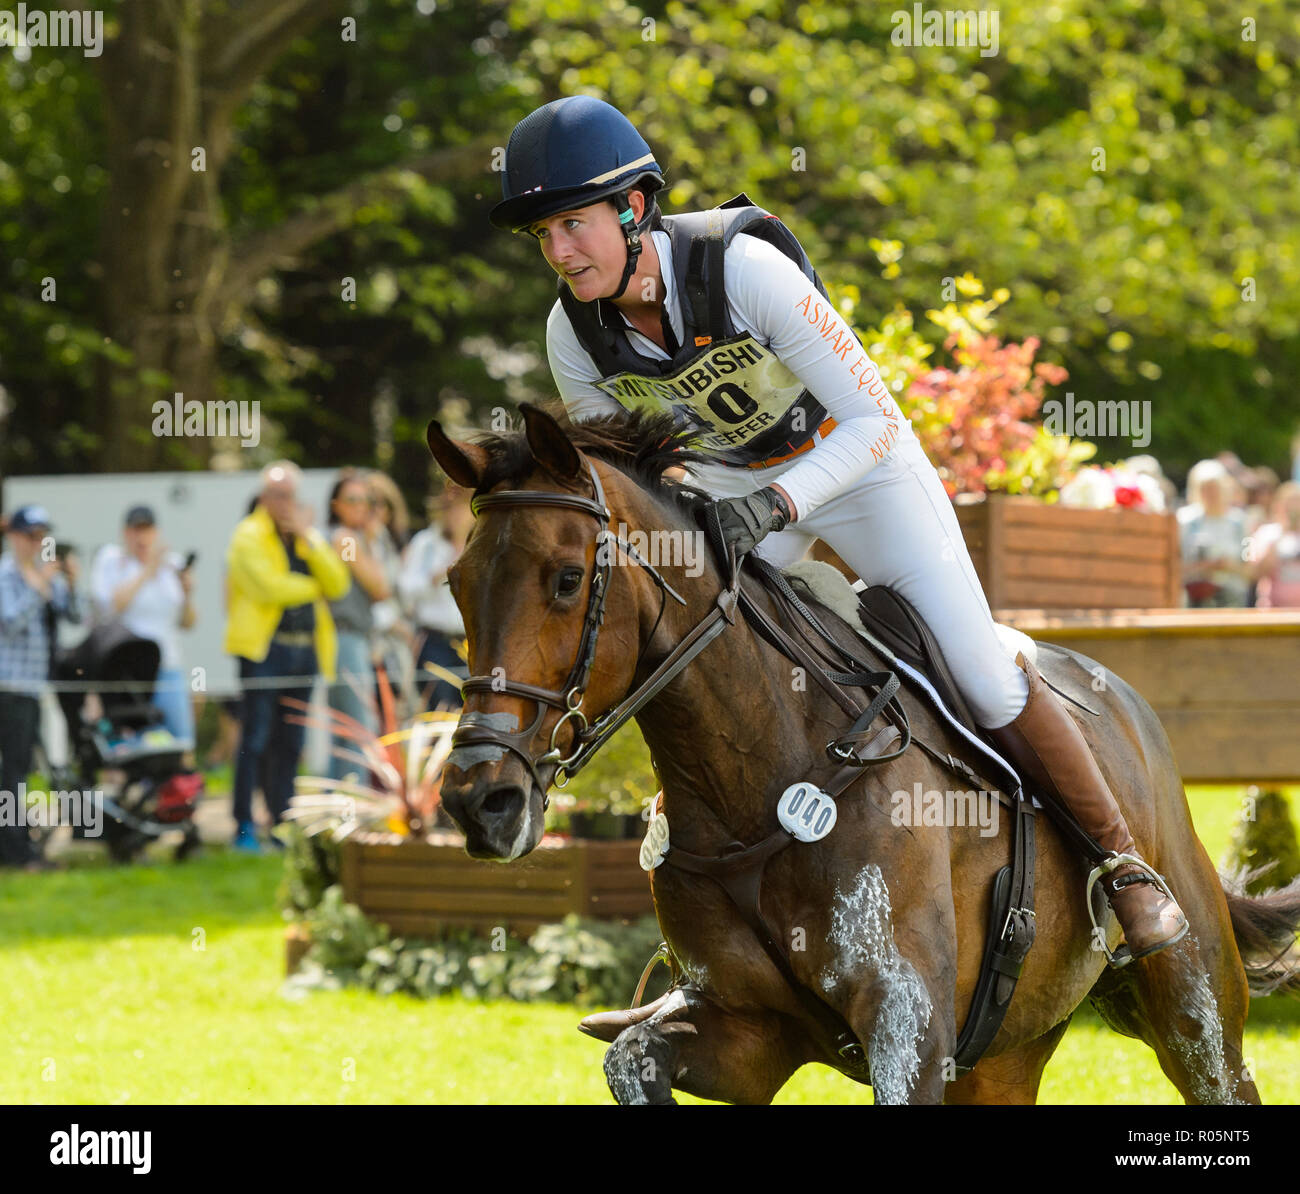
(417, 888)
(1032, 555)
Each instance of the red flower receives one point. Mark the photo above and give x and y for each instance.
(1128, 495)
(977, 416)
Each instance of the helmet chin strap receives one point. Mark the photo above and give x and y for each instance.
(632, 233)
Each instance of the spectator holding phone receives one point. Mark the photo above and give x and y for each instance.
(149, 589)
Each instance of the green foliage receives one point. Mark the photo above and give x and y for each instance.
(1127, 172)
(49, 347)
(311, 865)
(974, 419)
(586, 962)
(342, 938)
(1040, 468)
(107, 949)
(1123, 261)
(619, 779)
(1264, 844)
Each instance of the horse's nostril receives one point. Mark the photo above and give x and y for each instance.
(498, 802)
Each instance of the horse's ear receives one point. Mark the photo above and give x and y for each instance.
(552, 448)
(464, 463)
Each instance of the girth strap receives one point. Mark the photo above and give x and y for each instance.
(1010, 935)
(739, 870)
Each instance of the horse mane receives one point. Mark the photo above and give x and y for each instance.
(640, 445)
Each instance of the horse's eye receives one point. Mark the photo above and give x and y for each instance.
(568, 582)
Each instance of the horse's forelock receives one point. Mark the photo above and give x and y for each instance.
(641, 446)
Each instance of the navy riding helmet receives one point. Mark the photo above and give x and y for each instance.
(571, 153)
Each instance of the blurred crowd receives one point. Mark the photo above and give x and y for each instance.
(1239, 530)
(361, 603)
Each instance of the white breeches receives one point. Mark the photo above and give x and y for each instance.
(897, 527)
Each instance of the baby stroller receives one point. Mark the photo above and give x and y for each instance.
(156, 794)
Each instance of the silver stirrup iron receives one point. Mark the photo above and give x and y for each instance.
(663, 955)
(1122, 955)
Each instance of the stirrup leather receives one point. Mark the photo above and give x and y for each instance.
(1122, 955)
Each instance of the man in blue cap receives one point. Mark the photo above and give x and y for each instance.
(36, 589)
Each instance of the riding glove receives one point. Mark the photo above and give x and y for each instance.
(745, 520)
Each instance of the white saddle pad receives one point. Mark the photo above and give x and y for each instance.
(831, 587)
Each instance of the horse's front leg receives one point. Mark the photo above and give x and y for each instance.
(894, 982)
(907, 1029)
(695, 1045)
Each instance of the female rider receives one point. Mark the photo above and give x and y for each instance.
(807, 440)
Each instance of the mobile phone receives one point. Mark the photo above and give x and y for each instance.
(189, 561)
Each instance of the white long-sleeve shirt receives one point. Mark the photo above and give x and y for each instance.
(155, 610)
(423, 582)
(769, 297)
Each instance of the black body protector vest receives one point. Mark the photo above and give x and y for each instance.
(745, 404)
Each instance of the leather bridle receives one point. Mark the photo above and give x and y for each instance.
(587, 737)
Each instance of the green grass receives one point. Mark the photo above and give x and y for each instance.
(106, 999)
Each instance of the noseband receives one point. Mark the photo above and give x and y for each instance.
(587, 738)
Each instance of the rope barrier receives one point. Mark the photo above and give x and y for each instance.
(147, 686)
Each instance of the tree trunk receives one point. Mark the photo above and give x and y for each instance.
(172, 82)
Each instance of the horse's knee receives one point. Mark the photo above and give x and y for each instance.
(638, 1067)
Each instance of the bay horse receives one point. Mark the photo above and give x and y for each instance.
(883, 922)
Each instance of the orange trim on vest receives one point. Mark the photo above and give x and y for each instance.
(822, 432)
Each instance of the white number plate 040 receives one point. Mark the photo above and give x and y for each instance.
(655, 843)
(806, 812)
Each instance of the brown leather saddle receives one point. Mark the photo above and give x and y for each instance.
(891, 618)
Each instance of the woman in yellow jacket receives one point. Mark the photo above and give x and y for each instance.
(281, 572)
